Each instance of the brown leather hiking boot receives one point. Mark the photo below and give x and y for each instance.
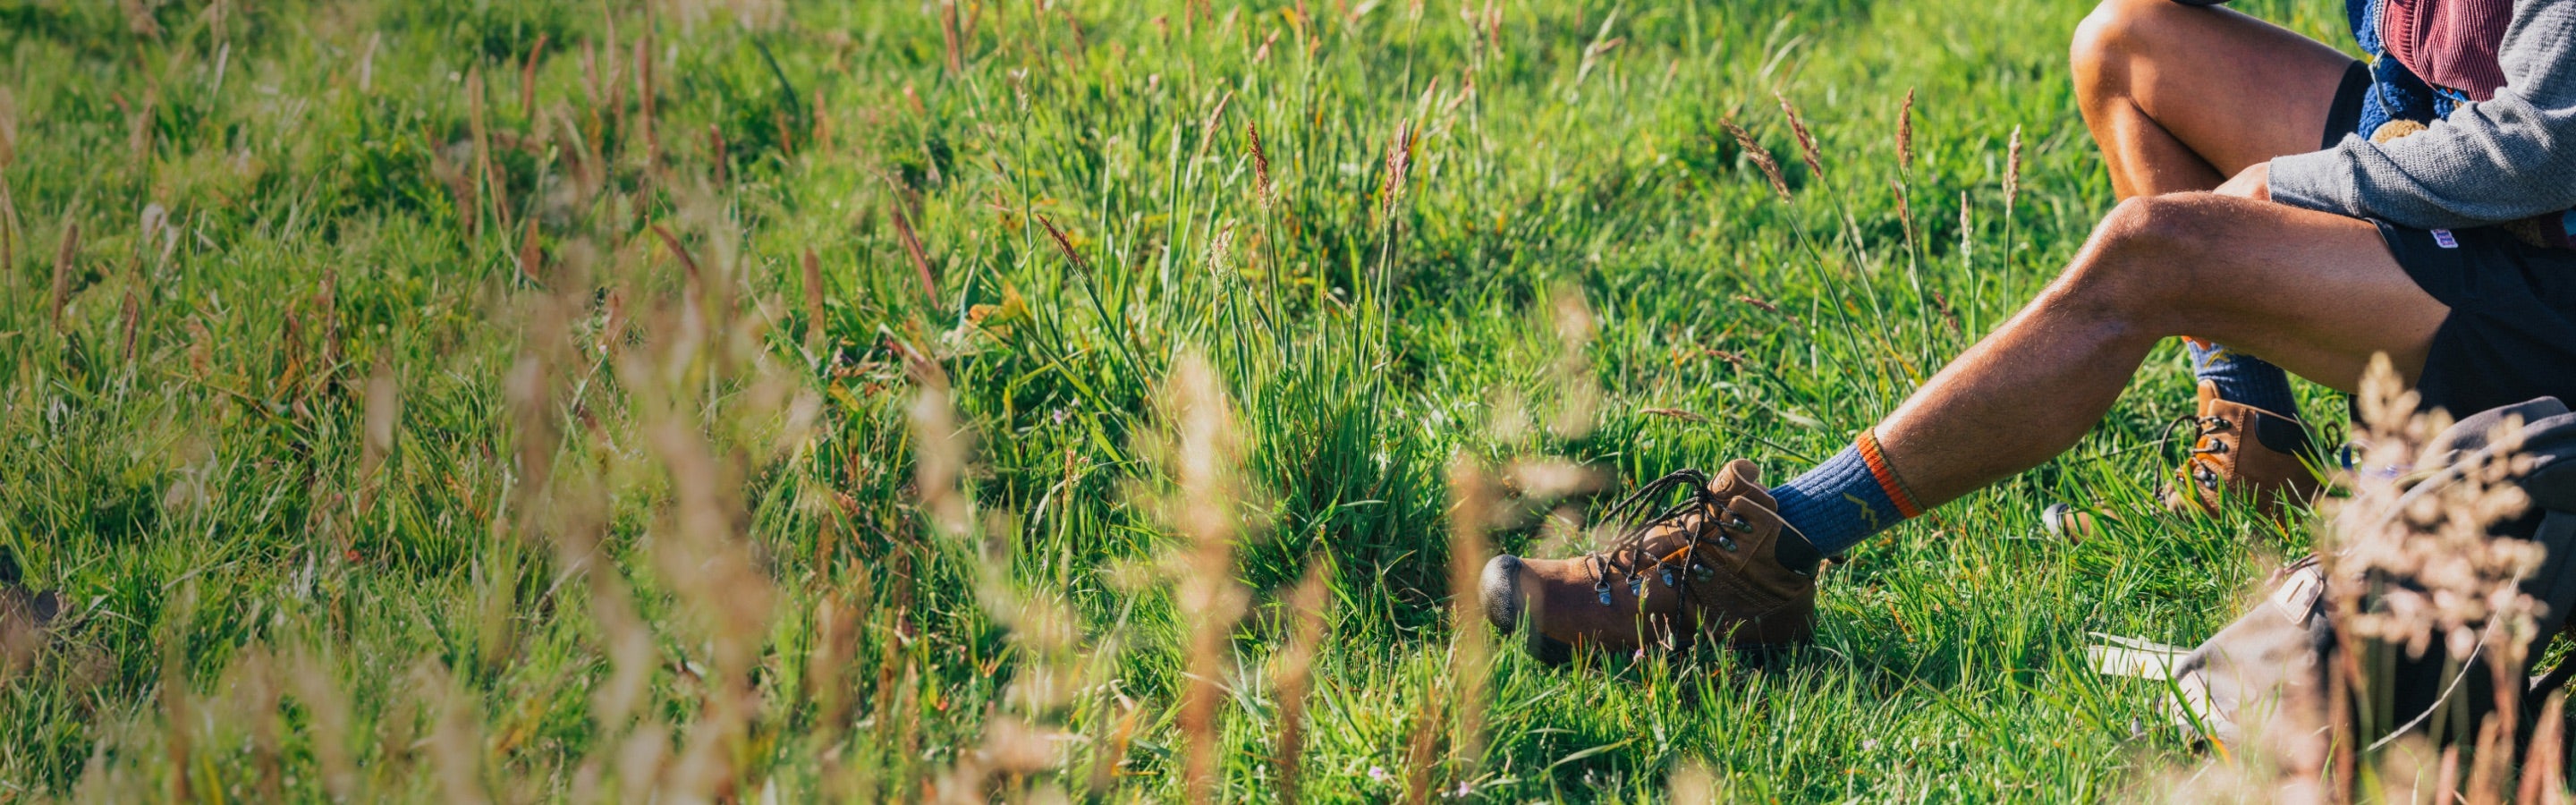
(24, 616)
(2223, 461)
(1706, 566)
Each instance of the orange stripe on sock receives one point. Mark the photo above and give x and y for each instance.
(1886, 475)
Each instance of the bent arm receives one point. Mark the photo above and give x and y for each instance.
(2510, 157)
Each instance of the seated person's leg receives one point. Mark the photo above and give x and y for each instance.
(2179, 98)
(2182, 97)
(2319, 293)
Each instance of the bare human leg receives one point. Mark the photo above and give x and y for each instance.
(2180, 97)
(2317, 293)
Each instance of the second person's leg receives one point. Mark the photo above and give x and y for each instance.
(2179, 98)
(2320, 293)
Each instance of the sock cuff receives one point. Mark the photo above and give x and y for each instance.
(1885, 474)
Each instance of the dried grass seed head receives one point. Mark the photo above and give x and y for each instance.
(1905, 134)
(1262, 183)
(2012, 169)
(2409, 519)
(1807, 149)
(1761, 158)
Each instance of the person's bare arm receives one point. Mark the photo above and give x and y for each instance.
(2254, 182)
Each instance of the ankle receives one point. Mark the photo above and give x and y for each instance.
(1848, 498)
(2244, 379)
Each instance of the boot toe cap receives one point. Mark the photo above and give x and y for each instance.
(1501, 590)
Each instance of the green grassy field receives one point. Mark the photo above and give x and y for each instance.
(521, 400)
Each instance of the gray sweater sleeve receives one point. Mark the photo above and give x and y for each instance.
(2510, 157)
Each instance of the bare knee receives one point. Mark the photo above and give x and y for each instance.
(2139, 263)
(2148, 223)
(2109, 39)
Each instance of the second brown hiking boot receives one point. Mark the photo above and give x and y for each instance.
(1708, 566)
(2242, 449)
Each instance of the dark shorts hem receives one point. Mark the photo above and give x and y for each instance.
(2345, 115)
(2511, 333)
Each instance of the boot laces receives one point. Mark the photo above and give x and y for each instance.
(2200, 464)
(1629, 557)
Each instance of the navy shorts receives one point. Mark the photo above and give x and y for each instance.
(2511, 335)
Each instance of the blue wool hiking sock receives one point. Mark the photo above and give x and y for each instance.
(1842, 501)
(2241, 378)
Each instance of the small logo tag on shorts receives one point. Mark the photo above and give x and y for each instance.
(2442, 238)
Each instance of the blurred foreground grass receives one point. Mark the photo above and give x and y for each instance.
(527, 400)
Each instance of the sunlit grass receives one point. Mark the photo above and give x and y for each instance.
(449, 434)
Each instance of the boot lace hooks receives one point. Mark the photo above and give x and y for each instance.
(2199, 459)
(1627, 557)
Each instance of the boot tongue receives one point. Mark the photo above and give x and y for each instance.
(1741, 478)
(1736, 475)
(1677, 533)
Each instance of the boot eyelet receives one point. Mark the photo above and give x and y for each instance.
(1727, 542)
(1668, 577)
(1636, 586)
(1703, 572)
